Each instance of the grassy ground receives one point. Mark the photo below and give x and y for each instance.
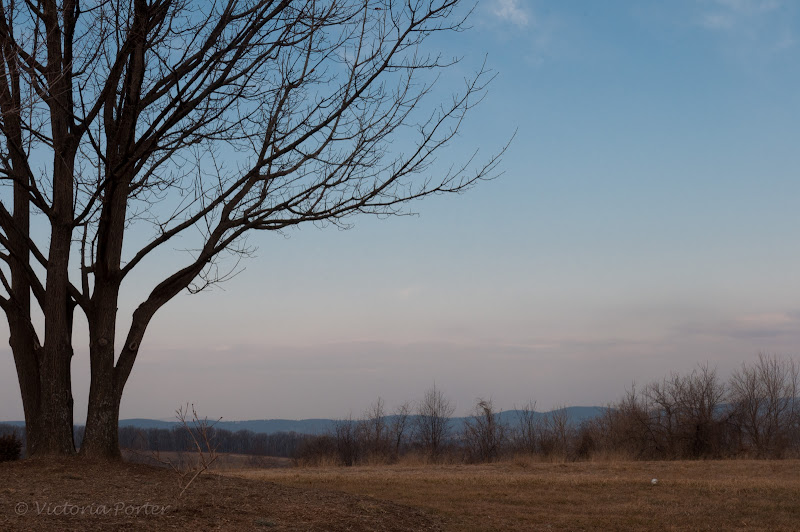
(189, 459)
(518, 495)
(76, 495)
(522, 495)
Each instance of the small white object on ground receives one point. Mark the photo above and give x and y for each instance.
(654, 481)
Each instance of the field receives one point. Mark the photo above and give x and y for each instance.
(515, 495)
(523, 495)
(189, 459)
(73, 495)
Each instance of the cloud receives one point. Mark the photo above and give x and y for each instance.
(717, 21)
(734, 15)
(765, 326)
(510, 11)
(750, 30)
(785, 41)
(407, 292)
(749, 6)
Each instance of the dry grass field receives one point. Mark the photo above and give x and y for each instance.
(523, 495)
(75, 495)
(189, 459)
(516, 495)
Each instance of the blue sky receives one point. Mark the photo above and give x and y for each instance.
(646, 221)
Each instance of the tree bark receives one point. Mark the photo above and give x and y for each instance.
(101, 438)
(24, 351)
(53, 431)
(52, 428)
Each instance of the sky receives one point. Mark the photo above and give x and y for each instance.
(645, 222)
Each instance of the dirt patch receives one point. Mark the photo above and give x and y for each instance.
(73, 494)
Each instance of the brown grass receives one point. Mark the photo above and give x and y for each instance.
(190, 459)
(517, 495)
(527, 495)
(120, 496)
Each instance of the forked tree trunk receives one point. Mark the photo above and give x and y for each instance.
(101, 437)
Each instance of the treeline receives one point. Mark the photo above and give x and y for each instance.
(754, 414)
(427, 433)
(178, 439)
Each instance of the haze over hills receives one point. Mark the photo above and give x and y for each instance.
(575, 414)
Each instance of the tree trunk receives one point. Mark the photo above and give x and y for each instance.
(101, 438)
(25, 358)
(53, 428)
(45, 383)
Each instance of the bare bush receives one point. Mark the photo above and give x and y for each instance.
(686, 419)
(399, 428)
(624, 427)
(432, 424)
(10, 447)
(347, 437)
(375, 432)
(484, 434)
(556, 433)
(317, 451)
(525, 435)
(763, 396)
(201, 434)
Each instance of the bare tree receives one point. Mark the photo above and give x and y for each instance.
(347, 435)
(432, 424)
(663, 400)
(375, 431)
(685, 414)
(399, 427)
(484, 433)
(200, 122)
(556, 434)
(764, 395)
(700, 399)
(526, 433)
(625, 427)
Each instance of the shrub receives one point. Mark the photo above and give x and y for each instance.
(10, 447)
(317, 451)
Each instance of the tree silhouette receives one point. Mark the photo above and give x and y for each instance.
(198, 121)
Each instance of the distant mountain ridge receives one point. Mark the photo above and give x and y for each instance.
(575, 414)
